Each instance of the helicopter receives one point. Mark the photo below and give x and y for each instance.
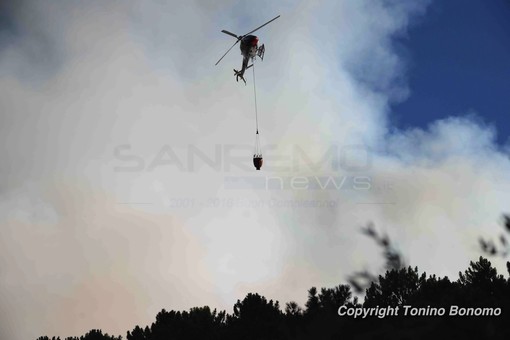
(249, 49)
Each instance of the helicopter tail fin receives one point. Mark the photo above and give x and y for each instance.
(239, 74)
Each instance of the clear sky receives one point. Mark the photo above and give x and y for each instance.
(458, 59)
(126, 176)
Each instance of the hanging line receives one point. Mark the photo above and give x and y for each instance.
(257, 151)
(255, 95)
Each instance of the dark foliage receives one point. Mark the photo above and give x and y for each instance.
(95, 334)
(393, 260)
(257, 318)
(502, 246)
(401, 287)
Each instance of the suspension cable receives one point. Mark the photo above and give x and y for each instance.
(255, 95)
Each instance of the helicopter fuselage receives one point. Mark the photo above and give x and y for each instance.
(249, 48)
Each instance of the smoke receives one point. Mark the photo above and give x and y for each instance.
(105, 217)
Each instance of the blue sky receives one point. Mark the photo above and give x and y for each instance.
(458, 59)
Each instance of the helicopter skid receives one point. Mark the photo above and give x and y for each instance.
(260, 52)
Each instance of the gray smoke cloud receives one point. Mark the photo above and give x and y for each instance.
(103, 105)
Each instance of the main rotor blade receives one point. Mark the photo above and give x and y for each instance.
(227, 52)
(261, 26)
(230, 33)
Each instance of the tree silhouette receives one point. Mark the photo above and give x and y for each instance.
(293, 321)
(313, 303)
(395, 288)
(138, 334)
(482, 284)
(256, 318)
(199, 322)
(292, 309)
(332, 298)
(94, 334)
(435, 291)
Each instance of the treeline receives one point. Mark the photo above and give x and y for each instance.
(255, 317)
